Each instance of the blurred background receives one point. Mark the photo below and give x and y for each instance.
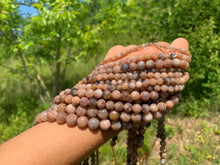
(49, 45)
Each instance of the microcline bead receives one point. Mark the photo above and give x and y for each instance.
(71, 119)
(68, 99)
(52, 116)
(141, 65)
(82, 122)
(80, 111)
(61, 107)
(98, 93)
(93, 123)
(70, 108)
(125, 117)
(61, 117)
(105, 124)
(116, 125)
(147, 117)
(102, 114)
(124, 67)
(113, 115)
(92, 112)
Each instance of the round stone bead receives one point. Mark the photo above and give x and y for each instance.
(62, 98)
(43, 116)
(132, 66)
(141, 65)
(173, 55)
(113, 115)
(143, 75)
(89, 93)
(107, 94)
(124, 67)
(105, 124)
(149, 64)
(82, 122)
(81, 92)
(119, 106)
(102, 114)
(125, 96)
(93, 123)
(57, 99)
(52, 116)
(61, 117)
(154, 95)
(125, 117)
(169, 104)
(116, 125)
(168, 63)
(145, 108)
(61, 107)
(70, 108)
(80, 111)
(145, 95)
(68, 99)
(91, 112)
(161, 107)
(137, 108)
(153, 108)
(98, 93)
(159, 64)
(135, 95)
(37, 118)
(154, 56)
(71, 119)
(84, 102)
(116, 69)
(116, 94)
(147, 117)
(157, 115)
(92, 102)
(176, 63)
(101, 103)
(127, 107)
(136, 117)
(110, 105)
(73, 91)
(75, 100)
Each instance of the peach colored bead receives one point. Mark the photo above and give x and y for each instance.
(125, 117)
(136, 117)
(92, 112)
(116, 94)
(145, 108)
(161, 107)
(137, 108)
(61, 107)
(98, 93)
(152, 81)
(169, 104)
(71, 119)
(102, 114)
(168, 63)
(75, 100)
(101, 103)
(105, 124)
(154, 95)
(57, 99)
(154, 56)
(110, 105)
(82, 122)
(84, 102)
(135, 95)
(62, 98)
(70, 108)
(80, 111)
(147, 117)
(67, 91)
(93, 123)
(153, 108)
(68, 99)
(149, 64)
(124, 86)
(113, 115)
(127, 107)
(89, 93)
(116, 125)
(43, 116)
(157, 115)
(119, 106)
(61, 117)
(138, 84)
(52, 116)
(116, 69)
(159, 64)
(81, 92)
(145, 95)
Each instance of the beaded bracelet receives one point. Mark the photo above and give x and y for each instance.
(124, 94)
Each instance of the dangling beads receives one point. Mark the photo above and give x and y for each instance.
(162, 136)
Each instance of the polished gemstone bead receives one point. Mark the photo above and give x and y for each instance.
(43, 116)
(153, 108)
(119, 106)
(68, 99)
(101, 103)
(113, 115)
(61, 117)
(154, 95)
(145, 108)
(169, 104)
(57, 99)
(141, 65)
(73, 91)
(127, 107)
(107, 94)
(102, 114)
(105, 124)
(136, 108)
(135, 95)
(82, 122)
(132, 66)
(98, 93)
(176, 63)
(161, 107)
(136, 117)
(110, 105)
(92, 102)
(62, 98)
(61, 107)
(84, 102)
(75, 100)
(91, 112)
(116, 125)
(149, 64)
(124, 67)
(71, 119)
(89, 93)
(81, 92)
(80, 111)
(125, 117)
(157, 115)
(93, 123)
(116, 94)
(147, 117)
(70, 108)
(51, 116)
(125, 96)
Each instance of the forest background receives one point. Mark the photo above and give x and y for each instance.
(52, 49)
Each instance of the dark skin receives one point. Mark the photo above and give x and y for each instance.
(51, 143)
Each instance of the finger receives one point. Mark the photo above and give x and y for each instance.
(114, 51)
(180, 43)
